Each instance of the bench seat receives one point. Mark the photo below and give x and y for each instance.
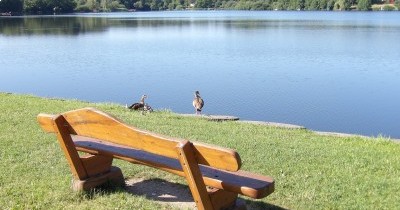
(242, 182)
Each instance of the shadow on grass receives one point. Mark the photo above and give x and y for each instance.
(259, 205)
(107, 188)
(179, 195)
(162, 191)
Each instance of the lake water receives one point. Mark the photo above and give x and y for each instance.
(327, 71)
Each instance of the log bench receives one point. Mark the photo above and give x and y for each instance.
(91, 139)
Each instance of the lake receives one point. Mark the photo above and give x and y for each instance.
(327, 71)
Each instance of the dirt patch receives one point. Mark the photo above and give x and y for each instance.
(161, 191)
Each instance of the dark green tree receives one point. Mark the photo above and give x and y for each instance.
(262, 5)
(35, 6)
(280, 4)
(342, 5)
(314, 5)
(63, 6)
(49, 6)
(293, 5)
(141, 5)
(156, 4)
(13, 6)
(128, 3)
(301, 4)
(323, 4)
(330, 5)
(364, 5)
(204, 4)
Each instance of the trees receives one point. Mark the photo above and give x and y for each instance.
(312, 4)
(49, 6)
(364, 5)
(128, 3)
(86, 5)
(101, 5)
(13, 6)
(342, 5)
(65, 6)
(296, 5)
(330, 5)
(204, 4)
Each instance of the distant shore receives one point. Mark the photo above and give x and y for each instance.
(246, 6)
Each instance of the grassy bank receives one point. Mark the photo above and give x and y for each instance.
(311, 171)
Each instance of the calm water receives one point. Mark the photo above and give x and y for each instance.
(328, 71)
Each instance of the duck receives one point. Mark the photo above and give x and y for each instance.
(198, 102)
(141, 105)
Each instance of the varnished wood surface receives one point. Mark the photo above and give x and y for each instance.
(113, 176)
(222, 199)
(242, 182)
(46, 122)
(68, 147)
(96, 164)
(93, 123)
(193, 175)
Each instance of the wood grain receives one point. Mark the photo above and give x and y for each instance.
(68, 147)
(193, 175)
(93, 123)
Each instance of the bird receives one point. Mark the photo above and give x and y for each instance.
(147, 108)
(198, 102)
(141, 105)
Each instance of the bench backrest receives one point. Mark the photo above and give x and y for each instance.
(93, 123)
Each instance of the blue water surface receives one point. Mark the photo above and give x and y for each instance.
(327, 71)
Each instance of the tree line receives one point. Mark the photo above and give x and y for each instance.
(67, 6)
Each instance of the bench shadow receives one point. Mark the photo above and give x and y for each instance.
(259, 205)
(179, 195)
(159, 190)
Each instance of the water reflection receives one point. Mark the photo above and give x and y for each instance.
(51, 25)
(80, 24)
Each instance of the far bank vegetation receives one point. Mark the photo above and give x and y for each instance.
(68, 6)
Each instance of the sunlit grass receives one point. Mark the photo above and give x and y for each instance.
(311, 171)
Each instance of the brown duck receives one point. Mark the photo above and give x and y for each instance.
(198, 102)
(141, 105)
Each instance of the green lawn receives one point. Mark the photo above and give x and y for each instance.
(311, 171)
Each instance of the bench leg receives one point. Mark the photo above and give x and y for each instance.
(193, 176)
(114, 177)
(89, 171)
(226, 200)
(205, 198)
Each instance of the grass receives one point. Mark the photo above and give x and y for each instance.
(311, 171)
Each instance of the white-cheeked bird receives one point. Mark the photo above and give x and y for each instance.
(198, 102)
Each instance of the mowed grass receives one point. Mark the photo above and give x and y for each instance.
(311, 171)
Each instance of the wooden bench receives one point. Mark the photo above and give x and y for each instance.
(212, 172)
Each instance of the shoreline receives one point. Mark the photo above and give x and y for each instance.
(220, 118)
